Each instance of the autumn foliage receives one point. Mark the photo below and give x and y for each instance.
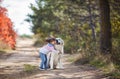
(7, 34)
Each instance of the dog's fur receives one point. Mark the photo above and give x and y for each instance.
(55, 59)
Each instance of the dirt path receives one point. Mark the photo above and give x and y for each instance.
(13, 66)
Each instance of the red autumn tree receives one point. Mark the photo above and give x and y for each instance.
(7, 34)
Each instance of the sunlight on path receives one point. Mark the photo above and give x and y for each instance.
(24, 54)
(27, 54)
(70, 72)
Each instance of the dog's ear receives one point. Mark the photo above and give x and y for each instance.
(60, 41)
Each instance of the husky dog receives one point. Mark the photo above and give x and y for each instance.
(55, 59)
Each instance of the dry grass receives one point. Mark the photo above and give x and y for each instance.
(102, 62)
(4, 46)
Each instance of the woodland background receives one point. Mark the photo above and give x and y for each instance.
(89, 27)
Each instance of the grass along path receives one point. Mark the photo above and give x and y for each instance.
(23, 64)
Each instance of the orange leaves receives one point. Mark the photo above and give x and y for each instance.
(7, 34)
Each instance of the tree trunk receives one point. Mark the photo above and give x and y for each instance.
(105, 35)
(91, 20)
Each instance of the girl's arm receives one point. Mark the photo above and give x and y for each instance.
(53, 50)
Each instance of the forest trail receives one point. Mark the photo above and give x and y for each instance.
(12, 66)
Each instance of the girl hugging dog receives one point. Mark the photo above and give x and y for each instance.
(49, 47)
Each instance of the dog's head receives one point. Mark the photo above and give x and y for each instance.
(59, 41)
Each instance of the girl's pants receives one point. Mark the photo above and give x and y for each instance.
(43, 64)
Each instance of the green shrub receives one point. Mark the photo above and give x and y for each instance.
(97, 63)
(29, 68)
(26, 36)
(114, 74)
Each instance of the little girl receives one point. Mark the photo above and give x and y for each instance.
(45, 50)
